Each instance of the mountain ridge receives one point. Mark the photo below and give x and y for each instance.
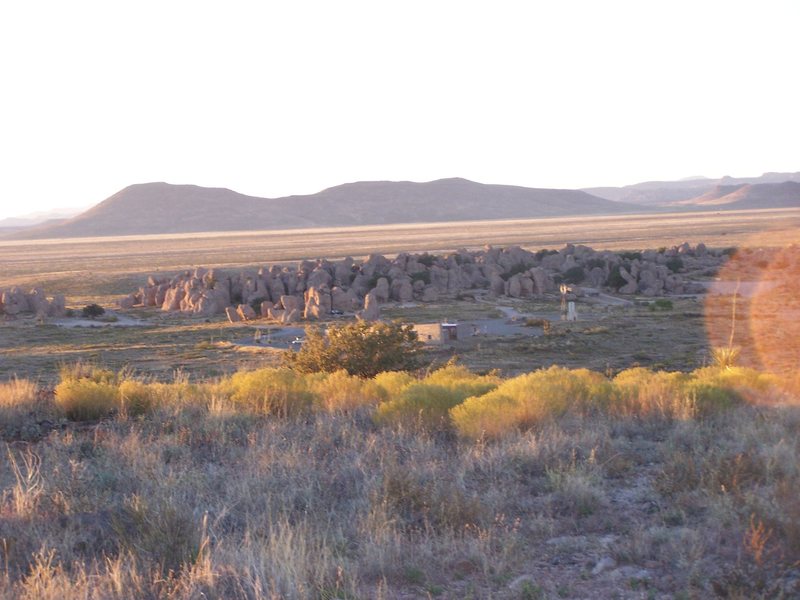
(159, 207)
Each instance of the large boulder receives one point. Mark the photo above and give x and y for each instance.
(343, 300)
(15, 301)
(382, 290)
(172, 299)
(372, 310)
(232, 314)
(496, 285)
(290, 316)
(631, 286)
(246, 312)
(127, 302)
(513, 287)
(290, 303)
(318, 302)
(402, 289)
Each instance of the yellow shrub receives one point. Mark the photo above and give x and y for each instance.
(137, 398)
(340, 391)
(527, 400)
(423, 404)
(427, 403)
(640, 391)
(280, 392)
(463, 381)
(718, 388)
(391, 383)
(86, 400)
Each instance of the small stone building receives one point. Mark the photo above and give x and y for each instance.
(436, 334)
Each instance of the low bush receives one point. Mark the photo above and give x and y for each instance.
(90, 311)
(136, 398)
(642, 392)
(720, 388)
(427, 403)
(280, 392)
(574, 275)
(340, 391)
(391, 383)
(527, 400)
(86, 399)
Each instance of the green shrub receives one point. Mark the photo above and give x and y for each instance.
(90, 311)
(85, 399)
(661, 304)
(593, 263)
(360, 348)
(423, 276)
(675, 264)
(426, 259)
(574, 275)
(615, 280)
(280, 392)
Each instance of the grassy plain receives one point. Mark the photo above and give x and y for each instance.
(101, 268)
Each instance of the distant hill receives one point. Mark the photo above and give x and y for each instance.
(666, 193)
(748, 196)
(37, 218)
(164, 208)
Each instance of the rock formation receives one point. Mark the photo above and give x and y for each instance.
(313, 289)
(14, 301)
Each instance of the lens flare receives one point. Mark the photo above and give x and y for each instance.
(754, 304)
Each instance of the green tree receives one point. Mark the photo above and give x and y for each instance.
(361, 348)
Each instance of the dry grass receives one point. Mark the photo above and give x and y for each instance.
(216, 490)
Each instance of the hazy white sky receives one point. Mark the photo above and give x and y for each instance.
(275, 98)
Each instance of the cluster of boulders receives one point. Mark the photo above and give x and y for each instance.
(15, 301)
(315, 289)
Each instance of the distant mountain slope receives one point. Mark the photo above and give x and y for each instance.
(666, 193)
(747, 196)
(165, 208)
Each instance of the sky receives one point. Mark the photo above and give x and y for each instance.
(277, 98)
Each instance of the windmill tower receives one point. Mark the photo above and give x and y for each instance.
(564, 289)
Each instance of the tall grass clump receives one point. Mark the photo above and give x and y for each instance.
(525, 401)
(21, 403)
(281, 392)
(427, 403)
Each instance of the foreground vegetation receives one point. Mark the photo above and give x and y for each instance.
(272, 483)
